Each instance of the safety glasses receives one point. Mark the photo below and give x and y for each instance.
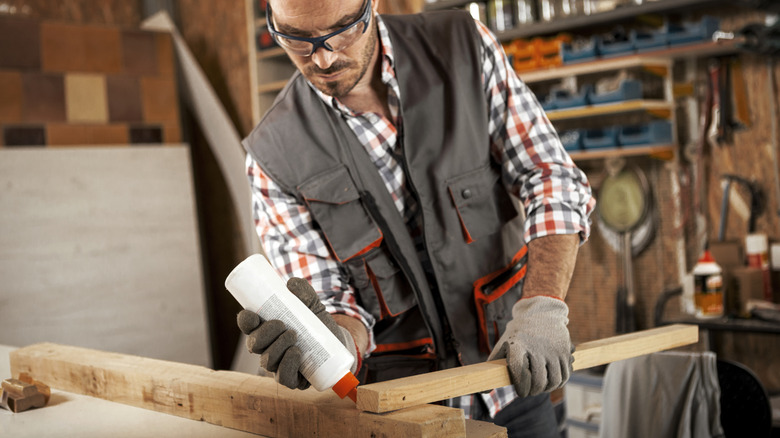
(334, 41)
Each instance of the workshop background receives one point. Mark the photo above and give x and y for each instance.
(119, 221)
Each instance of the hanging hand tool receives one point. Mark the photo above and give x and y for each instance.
(756, 203)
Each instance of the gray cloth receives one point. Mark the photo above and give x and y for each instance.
(662, 395)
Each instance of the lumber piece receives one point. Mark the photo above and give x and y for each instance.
(236, 400)
(483, 429)
(441, 385)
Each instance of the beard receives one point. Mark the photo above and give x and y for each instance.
(355, 71)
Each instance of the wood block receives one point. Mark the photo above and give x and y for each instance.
(160, 101)
(454, 382)
(231, 399)
(21, 404)
(10, 96)
(124, 98)
(139, 52)
(165, 59)
(43, 97)
(86, 98)
(20, 43)
(79, 48)
(72, 135)
(483, 429)
(42, 387)
(24, 135)
(146, 134)
(18, 389)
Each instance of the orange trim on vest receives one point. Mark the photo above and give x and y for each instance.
(398, 346)
(383, 309)
(481, 299)
(374, 244)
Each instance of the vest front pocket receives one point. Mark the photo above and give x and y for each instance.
(494, 296)
(481, 203)
(393, 294)
(357, 242)
(334, 203)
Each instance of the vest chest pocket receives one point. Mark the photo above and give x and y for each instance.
(356, 241)
(481, 202)
(334, 203)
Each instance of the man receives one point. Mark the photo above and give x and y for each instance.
(387, 175)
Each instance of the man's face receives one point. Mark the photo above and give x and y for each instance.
(333, 73)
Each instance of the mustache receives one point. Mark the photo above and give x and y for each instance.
(334, 68)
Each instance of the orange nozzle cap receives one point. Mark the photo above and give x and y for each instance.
(347, 386)
(706, 257)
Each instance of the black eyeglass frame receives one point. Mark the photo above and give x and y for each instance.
(320, 41)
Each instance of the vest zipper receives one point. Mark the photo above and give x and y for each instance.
(442, 351)
(450, 346)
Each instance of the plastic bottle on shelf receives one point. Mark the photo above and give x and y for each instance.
(757, 251)
(326, 362)
(708, 287)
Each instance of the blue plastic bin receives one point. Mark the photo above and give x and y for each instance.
(571, 140)
(604, 138)
(655, 132)
(649, 40)
(565, 99)
(692, 32)
(609, 49)
(628, 90)
(571, 54)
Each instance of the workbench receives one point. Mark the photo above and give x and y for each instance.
(75, 415)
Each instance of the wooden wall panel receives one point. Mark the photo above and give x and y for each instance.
(120, 13)
(219, 36)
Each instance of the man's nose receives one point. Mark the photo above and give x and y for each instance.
(323, 58)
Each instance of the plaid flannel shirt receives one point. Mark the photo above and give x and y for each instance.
(557, 197)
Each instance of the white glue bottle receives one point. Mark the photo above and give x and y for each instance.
(325, 362)
(708, 287)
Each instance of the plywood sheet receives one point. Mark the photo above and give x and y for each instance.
(99, 248)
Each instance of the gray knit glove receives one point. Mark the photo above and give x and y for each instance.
(537, 345)
(276, 344)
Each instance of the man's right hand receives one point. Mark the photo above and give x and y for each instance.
(276, 346)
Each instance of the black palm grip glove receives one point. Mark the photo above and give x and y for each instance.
(276, 344)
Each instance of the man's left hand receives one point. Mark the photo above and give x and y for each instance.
(537, 345)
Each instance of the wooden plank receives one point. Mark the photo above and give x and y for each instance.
(483, 429)
(231, 399)
(454, 382)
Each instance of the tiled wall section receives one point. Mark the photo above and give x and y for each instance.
(64, 84)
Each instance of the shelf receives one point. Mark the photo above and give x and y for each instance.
(271, 87)
(658, 151)
(445, 4)
(654, 106)
(619, 14)
(655, 58)
(595, 66)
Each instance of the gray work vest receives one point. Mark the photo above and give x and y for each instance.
(471, 226)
